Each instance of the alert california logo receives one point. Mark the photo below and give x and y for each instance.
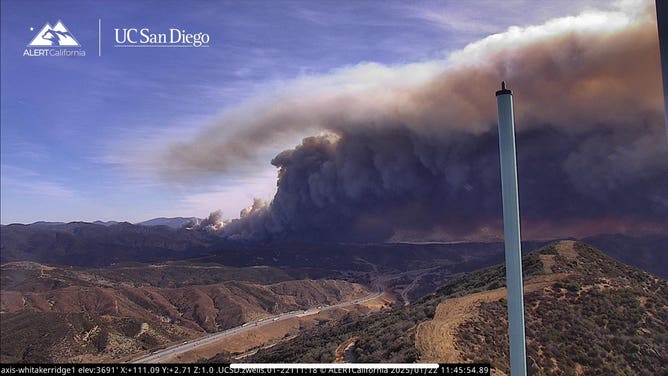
(54, 41)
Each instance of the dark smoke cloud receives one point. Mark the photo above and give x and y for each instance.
(422, 161)
(372, 183)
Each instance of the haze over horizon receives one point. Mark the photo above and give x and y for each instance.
(392, 110)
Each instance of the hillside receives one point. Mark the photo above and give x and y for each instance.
(586, 314)
(88, 244)
(175, 223)
(431, 264)
(589, 314)
(51, 314)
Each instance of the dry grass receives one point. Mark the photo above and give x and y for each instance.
(272, 333)
(435, 339)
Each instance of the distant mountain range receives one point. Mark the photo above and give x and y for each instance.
(107, 223)
(160, 239)
(176, 222)
(89, 244)
(648, 252)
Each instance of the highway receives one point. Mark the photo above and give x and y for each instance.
(186, 346)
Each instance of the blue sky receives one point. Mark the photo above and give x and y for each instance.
(74, 130)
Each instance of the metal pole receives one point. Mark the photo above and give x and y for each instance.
(662, 24)
(511, 231)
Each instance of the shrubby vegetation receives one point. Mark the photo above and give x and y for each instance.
(611, 320)
(602, 318)
(385, 336)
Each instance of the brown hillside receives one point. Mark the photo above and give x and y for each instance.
(60, 315)
(587, 314)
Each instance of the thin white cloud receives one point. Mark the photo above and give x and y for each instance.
(489, 17)
(29, 182)
(458, 23)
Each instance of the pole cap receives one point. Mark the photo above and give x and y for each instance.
(503, 89)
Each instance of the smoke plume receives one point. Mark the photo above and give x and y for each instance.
(401, 159)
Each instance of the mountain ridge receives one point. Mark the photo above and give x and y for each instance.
(562, 337)
(171, 222)
(49, 314)
(87, 244)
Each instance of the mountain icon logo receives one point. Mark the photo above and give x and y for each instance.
(54, 36)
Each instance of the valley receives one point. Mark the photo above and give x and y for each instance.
(63, 300)
(586, 314)
(263, 325)
(220, 301)
(95, 317)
